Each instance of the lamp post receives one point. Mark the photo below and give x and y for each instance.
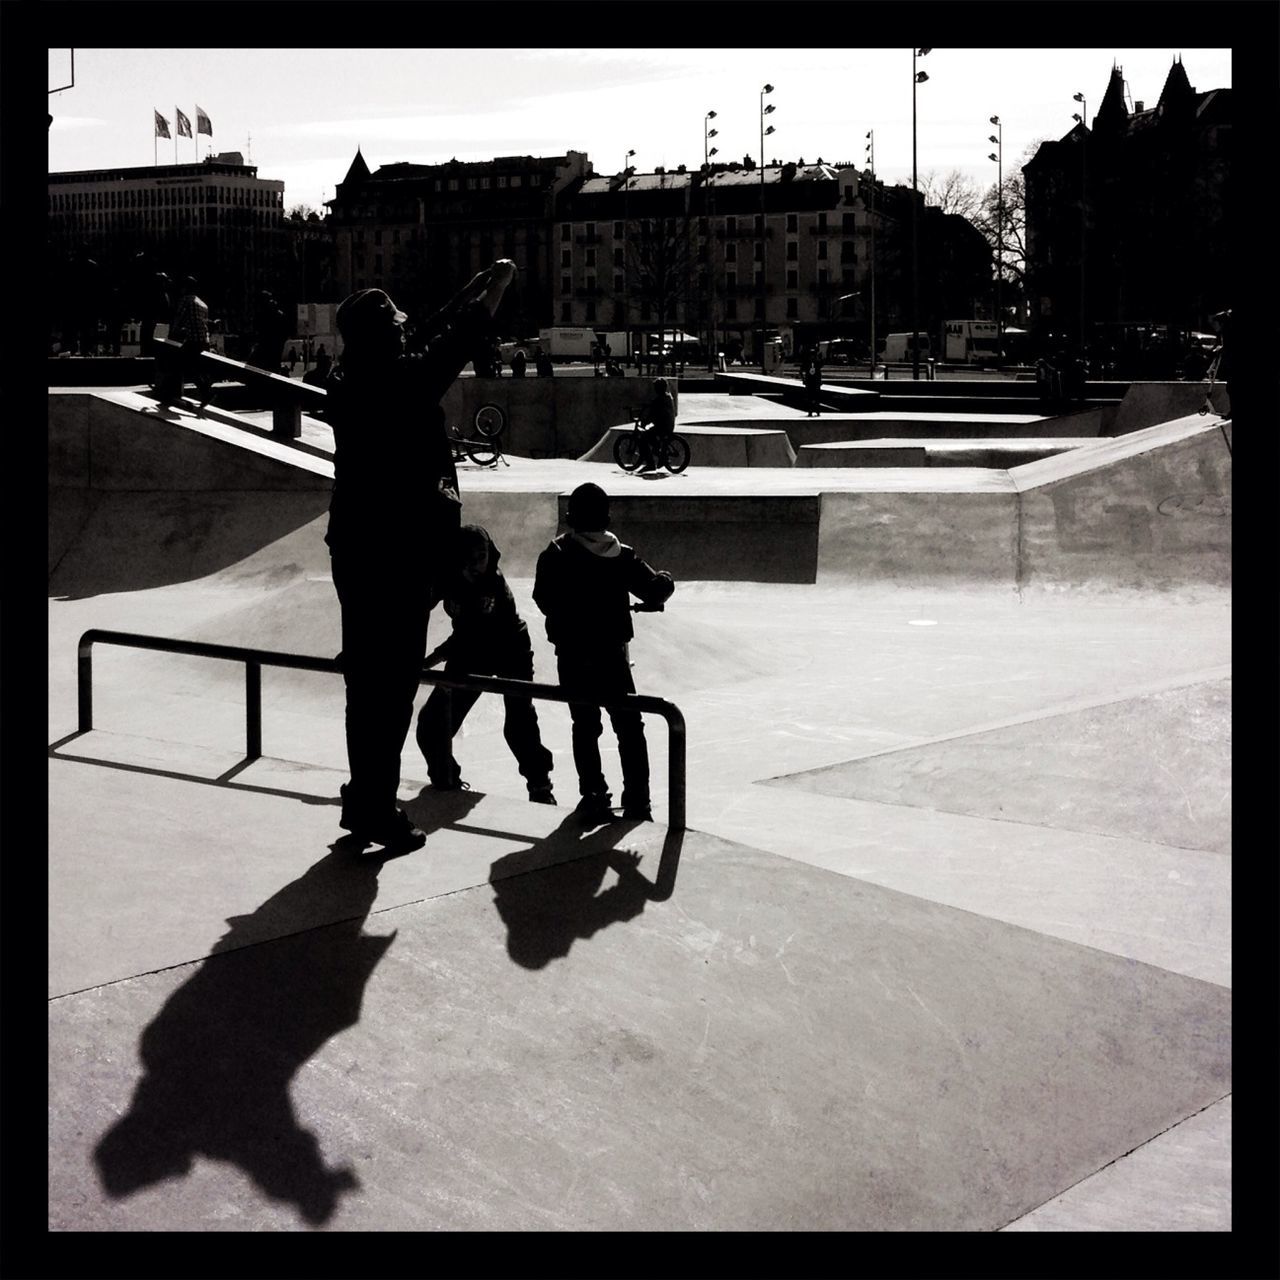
(626, 250)
(1082, 118)
(917, 77)
(998, 157)
(707, 135)
(871, 155)
(764, 111)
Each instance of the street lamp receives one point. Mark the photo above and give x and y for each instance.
(764, 111)
(626, 248)
(998, 157)
(917, 77)
(707, 135)
(871, 156)
(1083, 120)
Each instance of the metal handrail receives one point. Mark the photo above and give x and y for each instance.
(256, 659)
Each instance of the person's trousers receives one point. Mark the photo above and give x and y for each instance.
(445, 710)
(384, 640)
(603, 674)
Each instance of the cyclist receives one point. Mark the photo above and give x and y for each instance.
(661, 412)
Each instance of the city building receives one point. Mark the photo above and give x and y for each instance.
(422, 231)
(214, 219)
(1126, 222)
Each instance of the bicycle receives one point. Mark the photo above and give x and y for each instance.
(490, 421)
(631, 450)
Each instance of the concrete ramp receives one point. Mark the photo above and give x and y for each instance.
(1145, 404)
(715, 446)
(1150, 509)
(792, 390)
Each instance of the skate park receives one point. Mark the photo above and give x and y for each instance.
(943, 942)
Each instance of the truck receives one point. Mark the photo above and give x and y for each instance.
(897, 348)
(970, 341)
(561, 342)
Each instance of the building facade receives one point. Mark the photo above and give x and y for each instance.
(1127, 221)
(736, 254)
(422, 231)
(214, 219)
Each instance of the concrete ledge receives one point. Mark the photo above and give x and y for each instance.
(1146, 404)
(932, 453)
(716, 446)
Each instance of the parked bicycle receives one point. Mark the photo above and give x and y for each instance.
(633, 450)
(483, 448)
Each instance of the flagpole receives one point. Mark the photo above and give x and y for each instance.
(176, 131)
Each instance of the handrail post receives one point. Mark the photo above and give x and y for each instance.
(84, 684)
(675, 771)
(252, 709)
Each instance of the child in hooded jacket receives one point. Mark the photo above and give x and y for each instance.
(583, 585)
(489, 638)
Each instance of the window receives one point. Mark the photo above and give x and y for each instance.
(377, 237)
(591, 284)
(848, 276)
(822, 220)
(566, 312)
(759, 254)
(730, 280)
(702, 226)
(471, 184)
(731, 253)
(591, 230)
(759, 308)
(484, 184)
(793, 308)
(566, 284)
(516, 180)
(731, 226)
(617, 257)
(731, 309)
(793, 281)
(848, 251)
(793, 250)
(566, 233)
(591, 257)
(618, 284)
(617, 231)
(566, 257)
(395, 236)
(848, 223)
(822, 248)
(822, 276)
(759, 220)
(791, 222)
(453, 184)
(759, 278)
(848, 191)
(591, 311)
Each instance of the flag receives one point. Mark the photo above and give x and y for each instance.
(203, 123)
(184, 125)
(162, 126)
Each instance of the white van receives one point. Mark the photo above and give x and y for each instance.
(897, 348)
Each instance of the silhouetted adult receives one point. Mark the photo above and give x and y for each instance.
(190, 329)
(544, 366)
(392, 518)
(519, 362)
(155, 302)
(271, 329)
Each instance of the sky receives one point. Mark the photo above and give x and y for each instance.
(299, 114)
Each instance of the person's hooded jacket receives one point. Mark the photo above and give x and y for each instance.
(583, 585)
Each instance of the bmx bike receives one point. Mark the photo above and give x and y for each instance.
(632, 450)
(483, 448)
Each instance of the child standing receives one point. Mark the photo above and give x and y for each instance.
(583, 584)
(489, 638)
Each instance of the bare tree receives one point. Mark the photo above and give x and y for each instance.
(952, 192)
(1002, 218)
(660, 259)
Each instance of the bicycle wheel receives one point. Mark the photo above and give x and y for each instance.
(483, 452)
(677, 454)
(628, 452)
(490, 420)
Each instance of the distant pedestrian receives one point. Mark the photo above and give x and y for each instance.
(293, 360)
(519, 361)
(813, 384)
(190, 330)
(544, 366)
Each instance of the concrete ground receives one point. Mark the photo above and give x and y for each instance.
(946, 947)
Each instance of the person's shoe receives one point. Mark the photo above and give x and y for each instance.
(637, 812)
(396, 832)
(542, 794)
(597, 807)
(452, 784)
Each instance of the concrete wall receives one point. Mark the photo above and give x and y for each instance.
(726, 539)
(717, 446)
(551, 417)
(1146, 404)
(918, 539)
(1150, 510)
